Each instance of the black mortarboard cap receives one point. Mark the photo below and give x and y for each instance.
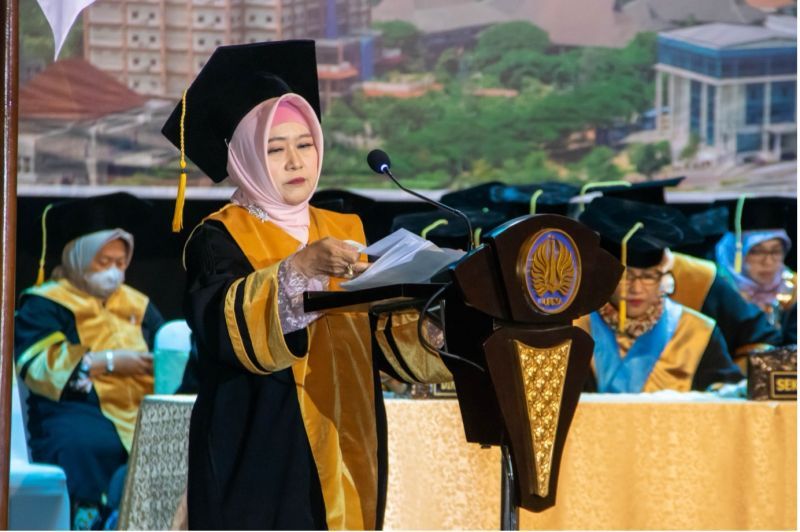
(645, 192)
(762, 212)
(233, 81)
(476, 197)
(710, 225)
(765, 212)
(711, 222)
(454, 233)
(664, 227)
(554, 198)
(67, 220)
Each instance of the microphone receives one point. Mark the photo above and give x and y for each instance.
(380, 163)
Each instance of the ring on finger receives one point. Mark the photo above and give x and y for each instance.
(348, 272)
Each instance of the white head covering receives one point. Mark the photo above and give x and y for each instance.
(79, 253)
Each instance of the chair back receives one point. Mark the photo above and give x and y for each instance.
(173, 344)
(19, 442)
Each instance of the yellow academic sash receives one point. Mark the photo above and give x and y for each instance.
(678, 362)
(693, 280)
(334, 382)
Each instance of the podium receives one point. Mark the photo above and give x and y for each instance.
(506, 312)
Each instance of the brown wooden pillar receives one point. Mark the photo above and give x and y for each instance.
(8, 211)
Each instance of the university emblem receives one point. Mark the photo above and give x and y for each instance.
(550, 269)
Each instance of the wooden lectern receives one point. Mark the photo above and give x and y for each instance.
(508, 313)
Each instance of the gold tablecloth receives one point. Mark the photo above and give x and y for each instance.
(630, 462)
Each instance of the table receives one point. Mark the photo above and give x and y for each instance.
(651, 461)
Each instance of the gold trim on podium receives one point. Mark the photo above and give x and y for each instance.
(543, 373)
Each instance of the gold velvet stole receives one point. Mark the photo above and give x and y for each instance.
(678, 362)
(115, 325)
(693, 279)
(410, 360)
(334, 382)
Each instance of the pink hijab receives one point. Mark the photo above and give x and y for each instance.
(248, 169)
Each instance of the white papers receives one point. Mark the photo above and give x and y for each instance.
(403, 258)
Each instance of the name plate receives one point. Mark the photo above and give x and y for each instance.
(444, 390)
(783, 385)
(772, 374)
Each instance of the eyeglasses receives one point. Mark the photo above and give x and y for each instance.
(760, 254)
(648, 279)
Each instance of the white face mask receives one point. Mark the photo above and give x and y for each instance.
(104, 283)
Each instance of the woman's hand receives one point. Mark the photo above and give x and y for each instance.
(330, 257)
(126, 363)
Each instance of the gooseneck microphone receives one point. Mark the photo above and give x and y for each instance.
(380, 163)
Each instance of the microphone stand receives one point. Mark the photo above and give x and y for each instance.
(385, 170)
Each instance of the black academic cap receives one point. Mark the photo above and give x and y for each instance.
(762, 212)
(710, 225)
(343, 201)
(554, 198)
(67, 220)
(233, 81)
(454, 233)
(711, 222)
(664, 227)
(645, 191)
(476, 197)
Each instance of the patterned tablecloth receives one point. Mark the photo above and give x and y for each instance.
(631, 462)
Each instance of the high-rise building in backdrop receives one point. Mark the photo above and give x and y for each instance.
(156, 47)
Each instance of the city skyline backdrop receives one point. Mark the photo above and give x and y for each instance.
(461, 91)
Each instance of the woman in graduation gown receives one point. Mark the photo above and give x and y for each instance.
(759, 273)
(644, 341)
(288, 431)
(699, 285)
(82, 345)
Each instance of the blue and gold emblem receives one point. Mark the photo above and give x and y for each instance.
(551, 268)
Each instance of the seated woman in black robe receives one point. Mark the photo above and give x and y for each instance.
(754, 263)
(82, 347)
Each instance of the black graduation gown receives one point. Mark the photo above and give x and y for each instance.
(256, 455)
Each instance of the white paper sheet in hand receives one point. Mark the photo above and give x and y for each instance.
(404, 258)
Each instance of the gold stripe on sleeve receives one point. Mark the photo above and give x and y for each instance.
(233, 329)
(388, 352)
(425, 364)
(51, 363)
(38, 347)
(260, 307)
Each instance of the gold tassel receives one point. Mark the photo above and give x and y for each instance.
(177, 217)
(40, 274)
(623, 305)
(534, 199)
(431, 227)
(476, 237)
(737, 221)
